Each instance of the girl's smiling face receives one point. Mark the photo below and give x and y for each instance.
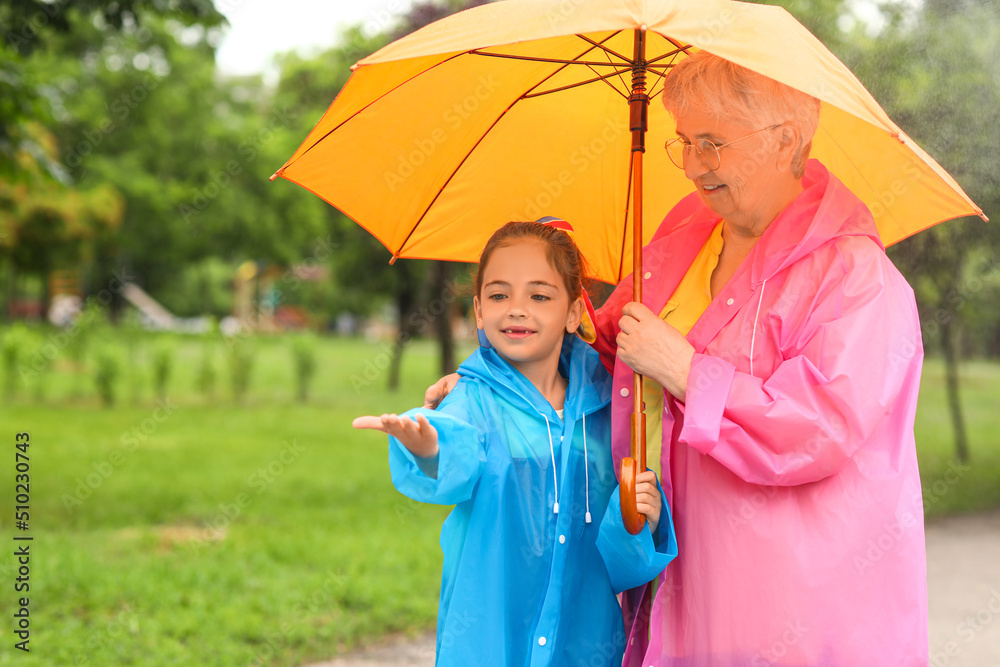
(524, 308)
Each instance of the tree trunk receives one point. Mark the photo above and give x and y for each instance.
(441, 308)
(406, 303)
(950, 349)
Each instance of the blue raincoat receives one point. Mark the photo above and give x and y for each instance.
(523, 581)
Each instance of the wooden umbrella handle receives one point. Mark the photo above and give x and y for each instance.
(630, 467)
(634, 521)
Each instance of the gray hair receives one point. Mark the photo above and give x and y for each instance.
(733, 93)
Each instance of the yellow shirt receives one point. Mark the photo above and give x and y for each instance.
(685, 306)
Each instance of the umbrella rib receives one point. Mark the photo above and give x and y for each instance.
(679, 49)
(607, 51)
(561, 61)
(628, 206)
(603, 78)
(628, 88)
(490, 129)
(362, 109)
(430, 205)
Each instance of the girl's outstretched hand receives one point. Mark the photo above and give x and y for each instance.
(417, 436)
(647, 498)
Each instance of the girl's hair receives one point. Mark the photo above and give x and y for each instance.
(560, 250)
(705, 82)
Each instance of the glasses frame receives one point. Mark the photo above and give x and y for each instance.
(701, 146)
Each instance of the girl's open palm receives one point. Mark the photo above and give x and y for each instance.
(417, 436)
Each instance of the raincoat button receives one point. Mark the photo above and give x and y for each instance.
(729, 303)
(562, 539)
(541, 641)
(624, 392)
(647, 275)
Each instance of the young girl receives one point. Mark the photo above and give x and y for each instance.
(521, 446)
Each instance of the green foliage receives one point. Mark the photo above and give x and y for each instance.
(240, 351)
(303, 349)
(107, 370)
(200, 288)
(12, 350)
(163, 363)
(207, 373)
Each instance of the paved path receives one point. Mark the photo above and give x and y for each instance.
(963, 591)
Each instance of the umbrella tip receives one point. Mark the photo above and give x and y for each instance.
(275, 175)
(354, 67)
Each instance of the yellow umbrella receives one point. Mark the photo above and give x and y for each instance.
(525, 108)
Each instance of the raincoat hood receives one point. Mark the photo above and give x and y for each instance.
(588, 390)
(823, 211)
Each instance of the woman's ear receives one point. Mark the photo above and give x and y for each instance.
(477, 308)
(575, 315)
(788, 145)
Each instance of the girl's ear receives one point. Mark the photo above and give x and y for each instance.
(575, 315)
(478, 309)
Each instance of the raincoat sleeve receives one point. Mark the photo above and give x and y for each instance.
(846, 359)
(633, 560)
(461, 456)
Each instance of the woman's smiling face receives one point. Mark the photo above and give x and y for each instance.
(750, 179)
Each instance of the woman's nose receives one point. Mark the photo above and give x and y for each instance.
(694, 165)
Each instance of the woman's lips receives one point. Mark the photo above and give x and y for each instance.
(713, 188)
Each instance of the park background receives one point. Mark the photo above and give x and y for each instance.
(197, 493)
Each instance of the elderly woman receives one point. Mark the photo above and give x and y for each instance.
(782, 354)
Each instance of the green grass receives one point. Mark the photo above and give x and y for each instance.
(950, 488)
(212, 533)
(219, 534)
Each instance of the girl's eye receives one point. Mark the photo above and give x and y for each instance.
(496, 297)
(540, 297)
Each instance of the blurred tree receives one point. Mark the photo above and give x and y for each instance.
(45, 225)
(420, 291)
(937, 73)
(439, 289)
(27, 23)
(191, 153)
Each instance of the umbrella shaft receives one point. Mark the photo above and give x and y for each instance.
(638, 106)
(638, 101)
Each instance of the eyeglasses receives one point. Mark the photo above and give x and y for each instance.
(707, 151)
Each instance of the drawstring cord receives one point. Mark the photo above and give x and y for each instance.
(586, 465)
(753, 338)
(555, 482)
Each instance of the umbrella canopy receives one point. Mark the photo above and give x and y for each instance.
(443, 136)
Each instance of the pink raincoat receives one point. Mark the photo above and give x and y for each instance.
(791, 469)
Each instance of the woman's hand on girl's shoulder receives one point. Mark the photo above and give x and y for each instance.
(437, 391)
(418, 436)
